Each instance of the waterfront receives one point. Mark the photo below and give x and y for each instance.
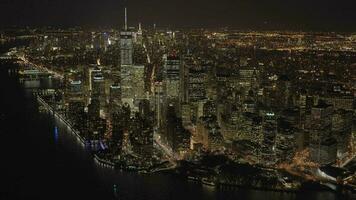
(42, 160)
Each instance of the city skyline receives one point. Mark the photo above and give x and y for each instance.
(144, 100)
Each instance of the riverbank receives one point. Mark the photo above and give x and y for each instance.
(215, 182)
(83, 141)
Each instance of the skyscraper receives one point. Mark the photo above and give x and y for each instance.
(126, 45)
(172, 76)
(115, 93)
(131, 77)
(322, 144)
(98, 83)
(171, 81)
(269, 129)
(342, 131)
(133, 85)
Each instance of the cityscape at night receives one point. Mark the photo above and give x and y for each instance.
(177, 100)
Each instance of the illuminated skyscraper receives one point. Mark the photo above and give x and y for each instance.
(98, 83)
(172, 76)
(342, 131)
(158, 103)
(139, 34)
(126, 45)
(115, 93)
(269, 129)
(133, 85)
(322, 144)
(171, 81)
(131, 77)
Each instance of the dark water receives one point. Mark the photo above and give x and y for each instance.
(38, 162)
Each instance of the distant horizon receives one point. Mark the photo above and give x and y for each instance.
(316, 15)
(172, 28)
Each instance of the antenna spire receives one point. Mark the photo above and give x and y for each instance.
(125, 19)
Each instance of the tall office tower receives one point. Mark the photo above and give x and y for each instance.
(105, 41)
(141, 135)
(322, 144)
(91, 72)
(76, 103)
(342, 130)
(177, 138)
(95, 123)
(133, 86)
(139, 34)
(248, 76)
(187, 62)
(126, 68)
(269, 129)
(158, 104)
(126, 45)
(196, 81)
(285, 91)
(75, 91)
(171, 80)
(76, 115)
(172, 76)
(86, 84)
(145, 109)
(98, 84)
(115, 94)
(208, 133)
(94, 109)
(286, 142)
(117, 131)
(197, 77)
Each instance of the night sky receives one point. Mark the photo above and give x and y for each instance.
(326, 15)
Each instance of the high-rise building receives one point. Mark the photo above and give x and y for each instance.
(98, 90)
(248, 76)
(126, 45)
(115, 94)
(139, 37)
(171, 82)
(322, 144)
(133, 85)
(196, 82)
(76, 115)
(177, 138)
(158, 104)
(117, 131)
(208, 133)
(171, 77)
(94, 109)
(269, 130)
(286, 141)
(342, 131)
(141, 135)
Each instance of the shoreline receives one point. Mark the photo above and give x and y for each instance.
(83, 141)
(110, 165)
